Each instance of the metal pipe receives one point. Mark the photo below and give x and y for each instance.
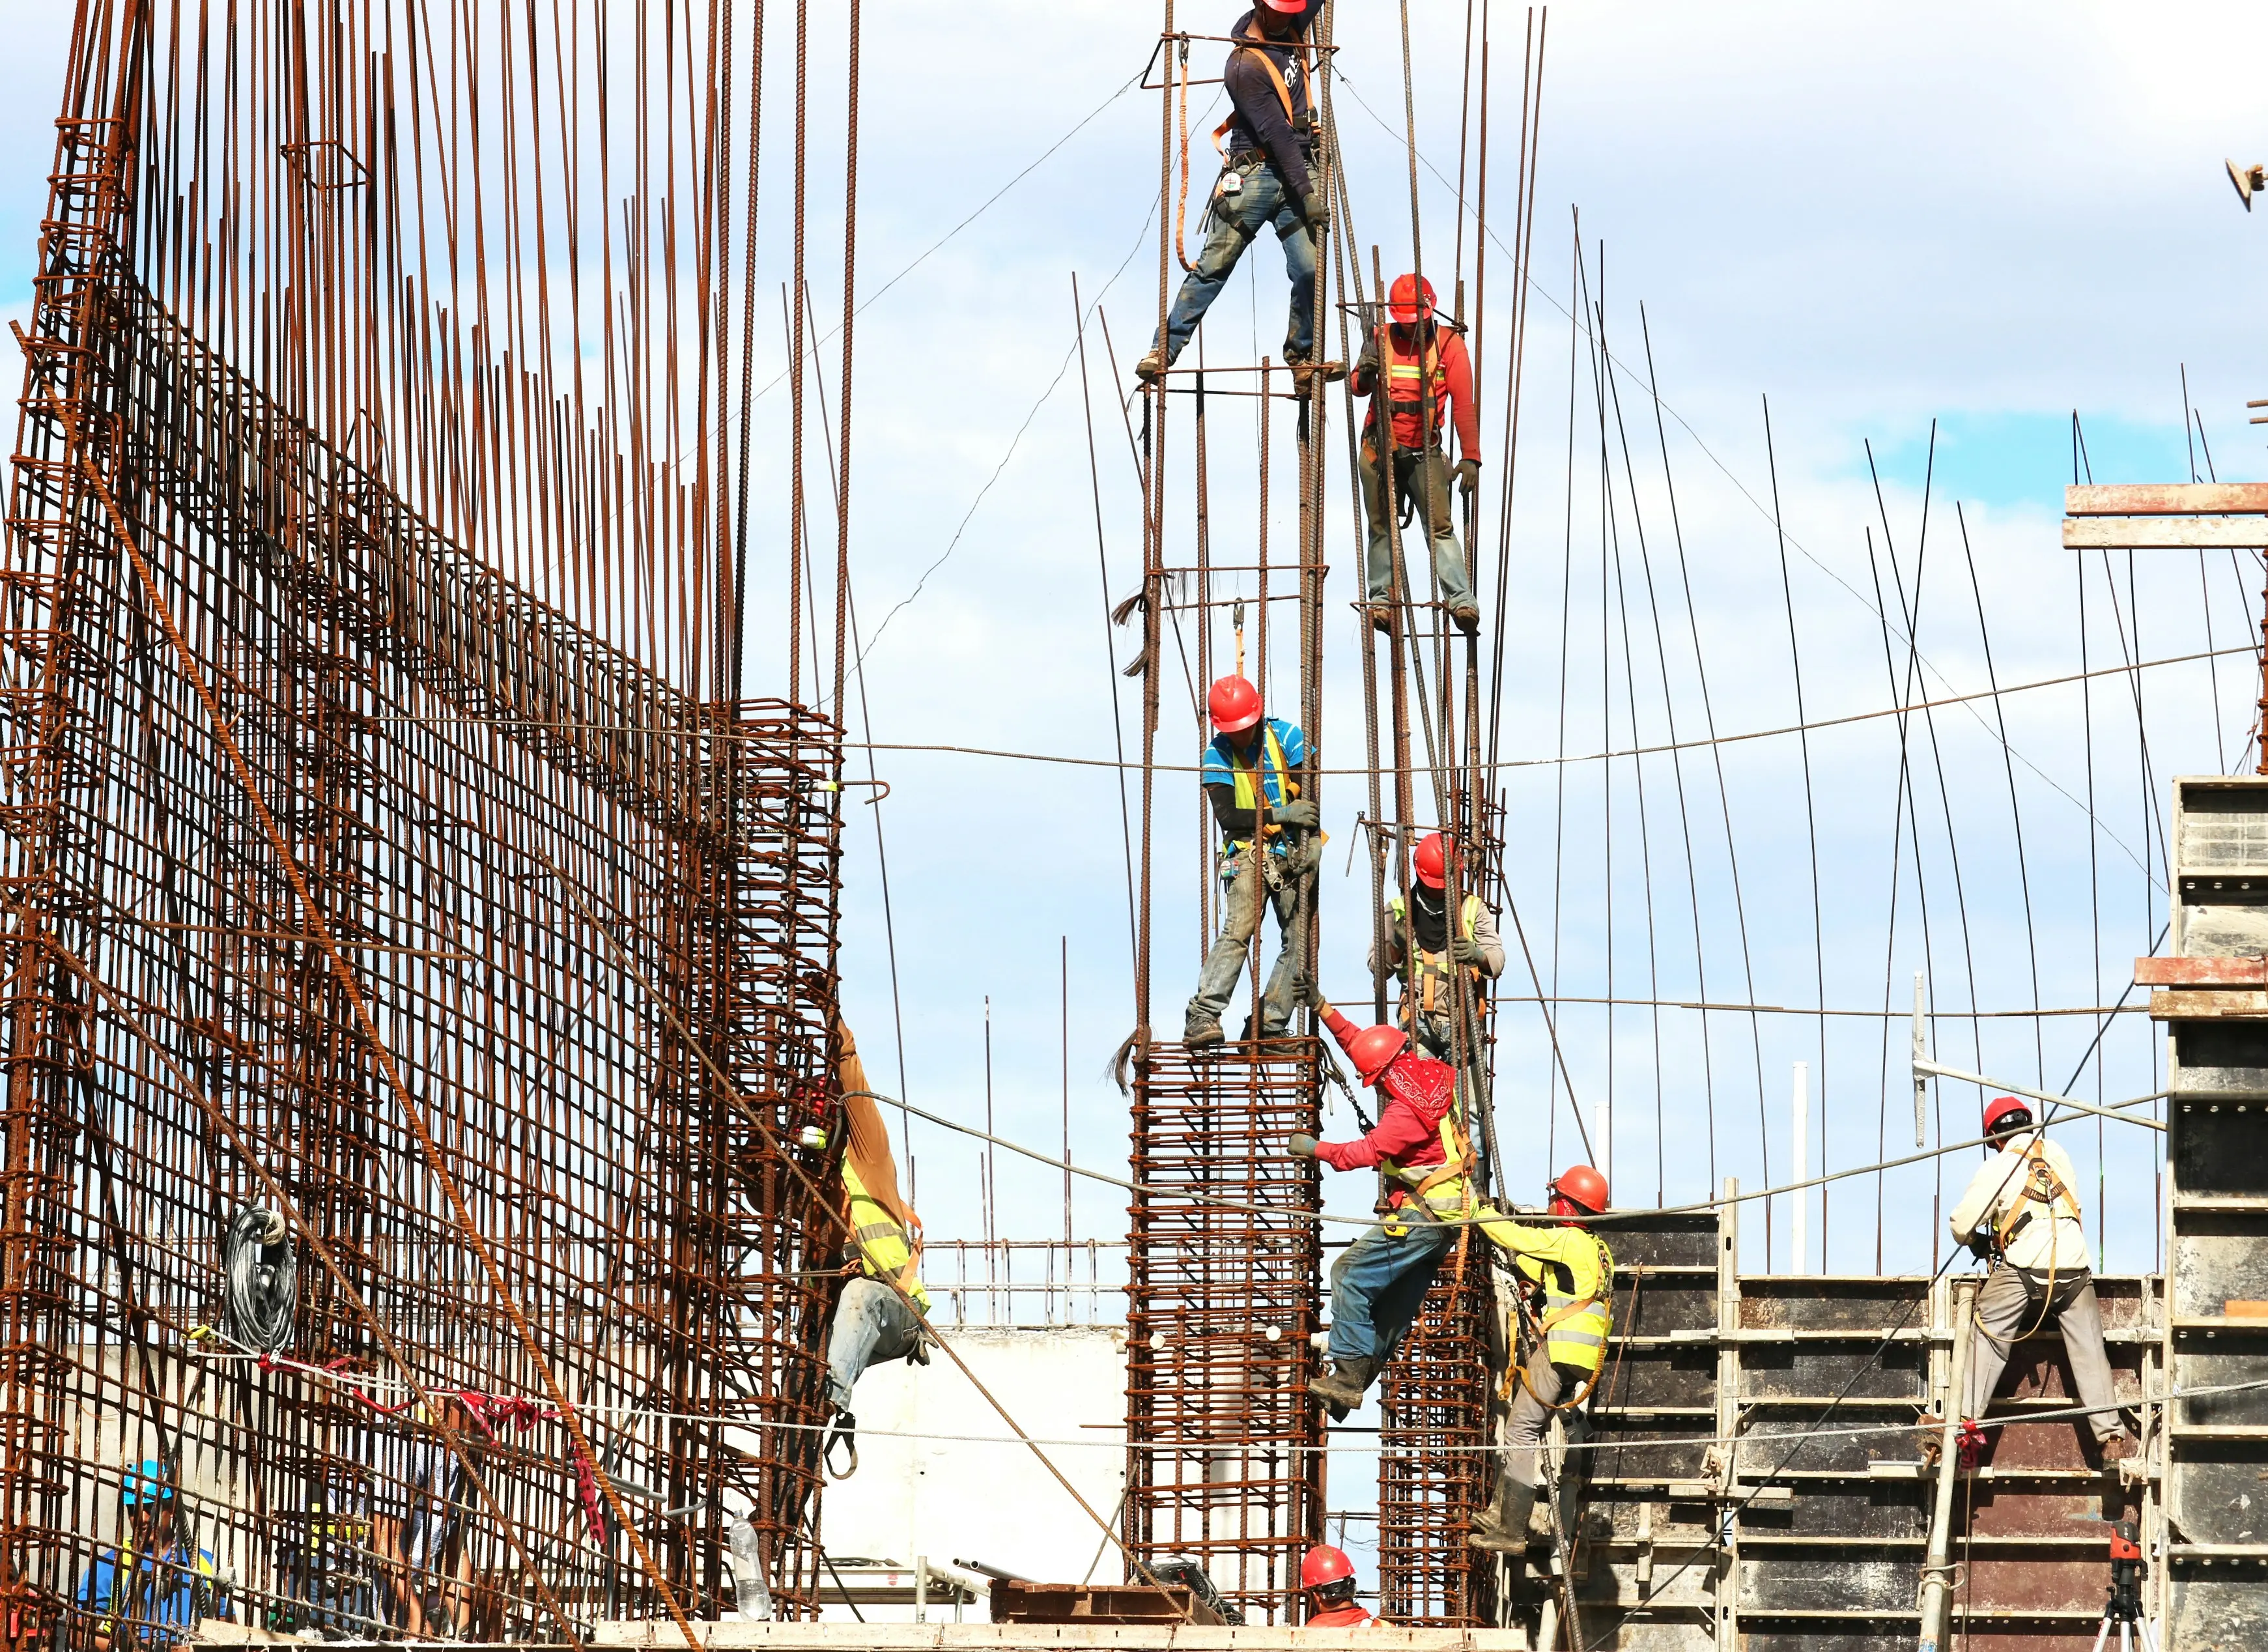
(1923, 1067)
(1936, 1589)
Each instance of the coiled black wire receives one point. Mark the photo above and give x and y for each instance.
(260, 1271)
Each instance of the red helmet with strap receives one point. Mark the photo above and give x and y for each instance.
(1580, 1187)
(1403, 302)
(1373, 1049)
(1233, 704)
(2003, 1107)
(1324, 1564)
(1430, 864)
(1285, 5)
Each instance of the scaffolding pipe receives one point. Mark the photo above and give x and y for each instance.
(1936, 1587)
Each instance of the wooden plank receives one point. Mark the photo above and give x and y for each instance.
(2194, 1004)
(2164, 498)
(2201, 972)
(2165, 532)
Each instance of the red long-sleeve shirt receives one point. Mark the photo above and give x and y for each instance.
(1456, 367)
(1419, 1091)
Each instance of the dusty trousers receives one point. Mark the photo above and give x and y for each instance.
(872, 1326)
(1531, 1414)
(2011, 1303)
(1381, 504)
(1241, 900)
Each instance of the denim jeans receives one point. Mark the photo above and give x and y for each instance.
(1236, 221)
(872, 1326)
(1378, 1285)
(1547, 1384)
(1239, 920)
(1382, 506)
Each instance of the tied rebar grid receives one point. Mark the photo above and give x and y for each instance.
(1434, 1402)
(1222, 1303)
(593, 921)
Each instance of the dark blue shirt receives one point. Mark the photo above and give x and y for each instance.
(162, 1592)
(1260, 122)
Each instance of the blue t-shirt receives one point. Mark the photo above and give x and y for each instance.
(1220, 763)
(160, 1593)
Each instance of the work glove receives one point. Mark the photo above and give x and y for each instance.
(1469, 476)
(1465, 951)
(1303, 813)
(1302, 1146)
(1315, 211)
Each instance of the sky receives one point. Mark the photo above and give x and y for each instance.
(1929, 234)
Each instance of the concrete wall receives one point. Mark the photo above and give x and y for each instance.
(954, 1499)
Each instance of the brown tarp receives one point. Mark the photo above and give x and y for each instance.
(868, 1148)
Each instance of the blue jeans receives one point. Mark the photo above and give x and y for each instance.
(1241, 901)
(872, 1326)
(1378, 1285)
(1236, 221)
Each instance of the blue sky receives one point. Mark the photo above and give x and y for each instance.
(1876, 215)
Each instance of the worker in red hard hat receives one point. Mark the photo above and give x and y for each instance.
(1420, 929)
(1328, 1578)
(1252, 773)
(1380, 1281)
(1428, 376)
(2021, 1213)
(1268, 177)
(1568, 1274)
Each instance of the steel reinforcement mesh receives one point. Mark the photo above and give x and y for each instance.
(537, 1139)
(1221, 1463)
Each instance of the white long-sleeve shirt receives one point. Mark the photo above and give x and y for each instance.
(2053, 1236)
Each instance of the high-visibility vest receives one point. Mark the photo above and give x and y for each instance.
(1430, 990)
(884, 1250)
(1446, 1188)
(1406, 389)
(2042, 1186)
(1249, 780)
(1578, 1304)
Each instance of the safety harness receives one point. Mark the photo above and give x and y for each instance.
(1453, 1173)
(1429, 974)
(1408, 380)
(2041, 1187)
(1249, 778)
(1255, 44)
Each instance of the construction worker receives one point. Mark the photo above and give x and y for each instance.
(161, 1583)
(876, 1319)
(1568, 1274)
(1424, 364)
(1268, 179)
(1251, 773)
(1380, 1281)
(2020, 1213)
(1328, 1577)
(1428, 1004)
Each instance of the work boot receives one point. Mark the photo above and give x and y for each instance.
(1467, 618)
(1502, 1526)
(1201, 1035)
(1152, 367)
(1382, 617)
(1345, 1384)
(2119, 1447)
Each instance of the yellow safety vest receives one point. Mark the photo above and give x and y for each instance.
(1249, 782)
(1446, 1188)
(1433, 969)
(1578, 1277)
(883, 1248)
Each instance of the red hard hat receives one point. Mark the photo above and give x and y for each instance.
(2000, 1107)
(1403, 303)
(1235, 704)
(1581, 1184)
(1373, 1050)
(1431, 862)
(1324, 1564)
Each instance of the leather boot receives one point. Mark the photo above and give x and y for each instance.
(1343, 1386)
(1502, 1526)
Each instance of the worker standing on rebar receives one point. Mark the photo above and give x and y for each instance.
(1427, 371)
(1567, 1274)
(1380, 1281)
(2020, 1211)
(1327, 1577)
(1428, 1000)
(1269, 178)
(875, 1319)
(1251, 772)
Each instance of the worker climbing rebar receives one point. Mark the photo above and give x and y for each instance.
(1268, 177)
(1425, 367)
(1251, 774)
(1428, 1009)
(2019, 1213)
(1562, 1344)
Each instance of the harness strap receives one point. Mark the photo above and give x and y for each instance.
(2042, 1186)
